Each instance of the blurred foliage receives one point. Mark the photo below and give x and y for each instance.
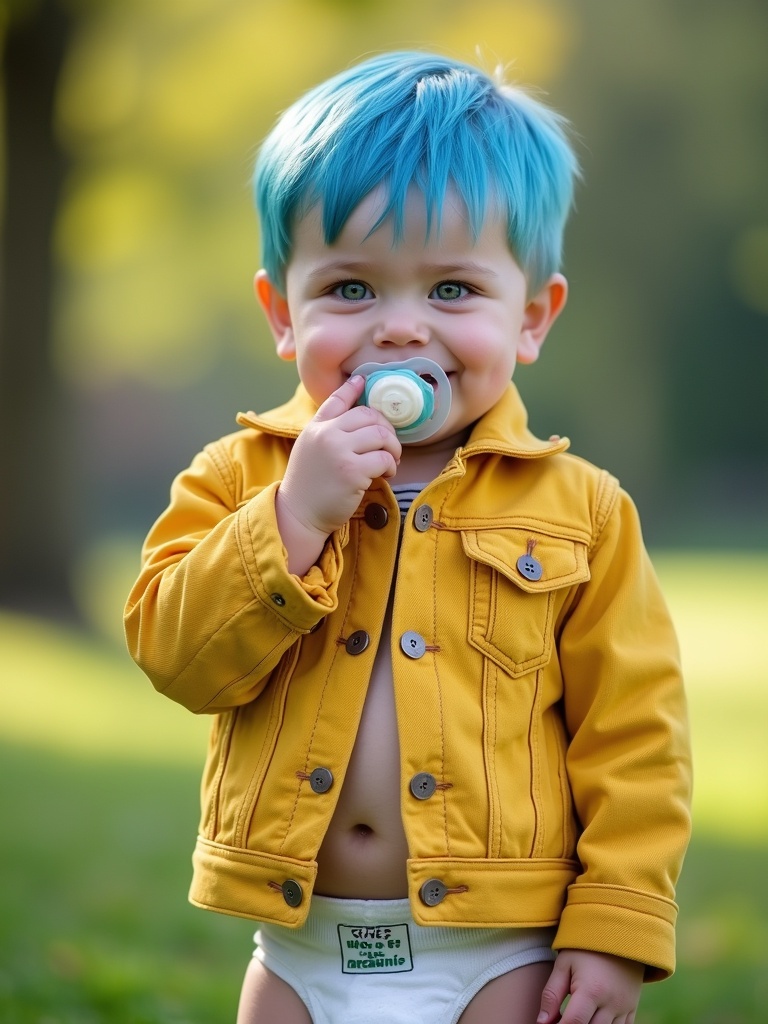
(659, 368)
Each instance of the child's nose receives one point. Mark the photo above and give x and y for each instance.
(401, 325)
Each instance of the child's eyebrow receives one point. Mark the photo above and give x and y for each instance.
(457, 269)
(452, 269)
(341, 267)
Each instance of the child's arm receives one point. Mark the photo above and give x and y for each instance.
(628, 757)
(601, 987)
(333, 463)
(216, 605)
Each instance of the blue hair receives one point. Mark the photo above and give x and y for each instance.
(403, 119)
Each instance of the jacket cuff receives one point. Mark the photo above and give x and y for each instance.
(622, 922)
(321, 580)
(299, 602)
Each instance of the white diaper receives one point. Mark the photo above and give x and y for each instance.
(368, 962)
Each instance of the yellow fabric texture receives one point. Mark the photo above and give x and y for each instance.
(551, 712)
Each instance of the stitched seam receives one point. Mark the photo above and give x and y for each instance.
(533, 748)
(566, 811)
(223, 466)
(626, 910)
(276, 703)
(439, 684)
(493, 674)
(527, 522)
(225, 742)
(605, 501)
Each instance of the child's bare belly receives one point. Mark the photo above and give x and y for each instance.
(364, 851)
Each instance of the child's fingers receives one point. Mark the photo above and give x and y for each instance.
(380, 463)
(557, 988)
(581, 1010)
(373, 437)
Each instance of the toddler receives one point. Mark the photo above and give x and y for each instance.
(448, 769)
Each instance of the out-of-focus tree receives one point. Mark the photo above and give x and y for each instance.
(35, 536)
(666, 332)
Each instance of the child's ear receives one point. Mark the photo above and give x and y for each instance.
(275, 307)
(540, 313)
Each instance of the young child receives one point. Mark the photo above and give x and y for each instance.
(448, 728)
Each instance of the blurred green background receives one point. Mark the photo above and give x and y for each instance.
(130, 337)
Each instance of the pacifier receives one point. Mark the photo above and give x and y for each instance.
(414, 395)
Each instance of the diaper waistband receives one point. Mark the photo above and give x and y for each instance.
(374, 918)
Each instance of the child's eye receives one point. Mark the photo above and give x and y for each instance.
(353, 291)
(449, 291)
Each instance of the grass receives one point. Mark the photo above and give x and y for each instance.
(99, 810)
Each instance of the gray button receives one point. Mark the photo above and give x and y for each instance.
(423, 785)
(321, 780)
(357, 642)
(433, 892)
(422, 518)
(376, 516)
(413, 644)
(278, 599)
(292, 893)
(530, 567)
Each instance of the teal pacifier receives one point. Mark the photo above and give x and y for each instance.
(414, 395)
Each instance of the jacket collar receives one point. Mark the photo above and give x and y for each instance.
(503, 430)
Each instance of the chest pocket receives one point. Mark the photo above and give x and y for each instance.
(511, 615)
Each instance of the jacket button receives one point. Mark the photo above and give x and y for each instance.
(413, 644)
(321, 780)
(292, 893)
(376, 516)
(423, 785)
(530, 567)
(357, 642)
(422, 518)
(433, 892)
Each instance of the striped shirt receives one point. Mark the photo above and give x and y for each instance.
(405, 494)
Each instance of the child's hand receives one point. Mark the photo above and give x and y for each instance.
(603, 989)
(339, 453)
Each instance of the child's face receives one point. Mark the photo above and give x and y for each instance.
(459, 302)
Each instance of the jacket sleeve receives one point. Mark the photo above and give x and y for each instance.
(628, 762)
(215, 608)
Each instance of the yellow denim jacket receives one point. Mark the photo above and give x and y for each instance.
(536, 675)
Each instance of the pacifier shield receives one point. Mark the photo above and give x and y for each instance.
(415, 406)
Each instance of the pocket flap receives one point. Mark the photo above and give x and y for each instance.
(563, 560)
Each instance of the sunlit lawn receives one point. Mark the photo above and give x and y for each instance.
(99, 810)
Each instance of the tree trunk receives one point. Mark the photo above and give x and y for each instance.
(35, 513)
